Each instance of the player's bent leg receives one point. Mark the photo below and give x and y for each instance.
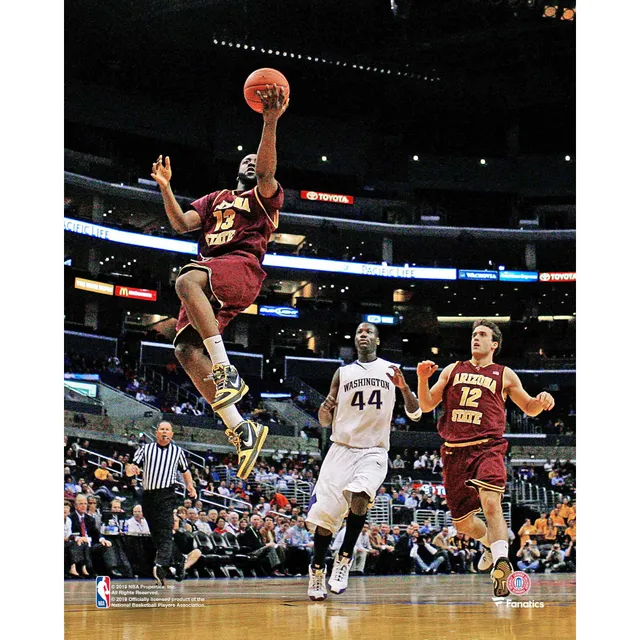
(498, 537)
(247, 436)
(317, 589)
(193, 289)
(477, 529)
(198, 367)
(339, 579)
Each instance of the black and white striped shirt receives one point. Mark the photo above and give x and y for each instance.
(159, 464)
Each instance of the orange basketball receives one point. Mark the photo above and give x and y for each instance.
(258, 81)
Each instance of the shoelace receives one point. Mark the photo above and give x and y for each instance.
(343, 572)
(218, 376)
(234, 438)
(317, 581)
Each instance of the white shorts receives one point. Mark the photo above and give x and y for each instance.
(345, 471)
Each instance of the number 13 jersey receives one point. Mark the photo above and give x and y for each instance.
(365, 402)
(473, 403)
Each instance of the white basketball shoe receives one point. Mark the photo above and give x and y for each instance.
(339, 579)
(317, 588)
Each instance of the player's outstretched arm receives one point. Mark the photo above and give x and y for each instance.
(274, 104)
(429, 399)
(411, 406)
(531, 406)
(325, 412)
(179, 220)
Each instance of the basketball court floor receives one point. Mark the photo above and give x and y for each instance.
(380, 608)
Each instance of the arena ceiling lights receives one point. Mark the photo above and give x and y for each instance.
(367, 67)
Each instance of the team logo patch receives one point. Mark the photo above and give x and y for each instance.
(519, 583)
(103, 592)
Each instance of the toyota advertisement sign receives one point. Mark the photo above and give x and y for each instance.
(318, 196)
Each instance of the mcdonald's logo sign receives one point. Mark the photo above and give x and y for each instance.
(150, 295)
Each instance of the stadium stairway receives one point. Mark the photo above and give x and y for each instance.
(121, 405)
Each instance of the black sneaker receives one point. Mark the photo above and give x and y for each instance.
(248, 438)
(160, 574)
(180, 573)
(230, 387)
(502, 569)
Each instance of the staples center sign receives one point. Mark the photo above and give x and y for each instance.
(563, 276)
(318, 196)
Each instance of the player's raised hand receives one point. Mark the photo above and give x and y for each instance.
(426, 369)
(546, 400)
(161, 173)
(274, 102)
(397, 378)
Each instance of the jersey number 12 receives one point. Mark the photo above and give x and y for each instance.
(374, 398)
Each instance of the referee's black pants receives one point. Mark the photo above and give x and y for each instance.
(157, 507)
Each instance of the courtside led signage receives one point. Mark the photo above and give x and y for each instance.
(466, 274)
(127, 237)
(359, 268)
(137, 294)
(318, 196)
(279, 312)
(560, 276)
(94, 286)
(518, 276)
(374, 318)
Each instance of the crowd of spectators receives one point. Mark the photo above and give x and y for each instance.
(257, 527)
(558, 476)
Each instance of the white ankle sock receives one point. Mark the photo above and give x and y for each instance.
(217, 352)
(499, 549)
(230, 416)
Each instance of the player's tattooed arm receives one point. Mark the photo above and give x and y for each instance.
(429, 399)
(531, 406)
(325, 412)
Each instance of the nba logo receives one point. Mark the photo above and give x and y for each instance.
(519, 583)
(103, 592)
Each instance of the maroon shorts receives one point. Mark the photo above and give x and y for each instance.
(235, 280)
(468, 469)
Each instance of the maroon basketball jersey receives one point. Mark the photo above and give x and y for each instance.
(237, 221)
(473, 403)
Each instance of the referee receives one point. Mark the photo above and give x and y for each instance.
(159, 461)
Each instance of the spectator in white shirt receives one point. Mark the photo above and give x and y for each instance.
(418, 463)
(202, 523)
(233, 523)
(223, 490)
(411, 502)
(137, 524)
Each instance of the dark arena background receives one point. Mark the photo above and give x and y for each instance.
(428, 163)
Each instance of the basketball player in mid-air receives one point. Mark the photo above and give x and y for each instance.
(473, 394)
(227, 276)
(360, 408)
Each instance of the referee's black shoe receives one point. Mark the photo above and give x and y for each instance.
(180, 572)
(248, 438)
(230, 387)
(160, 574)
